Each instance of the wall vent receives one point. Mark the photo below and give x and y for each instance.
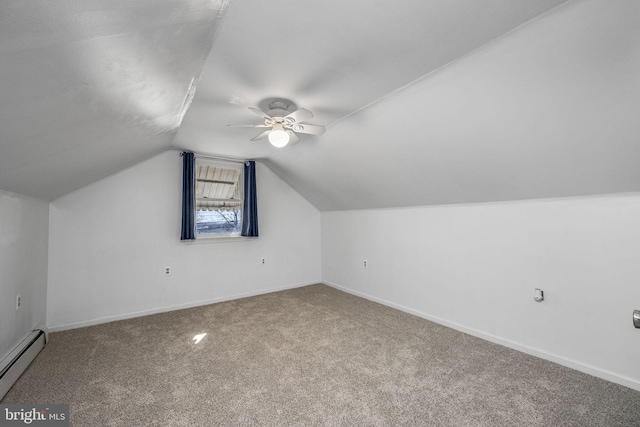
(18, 359)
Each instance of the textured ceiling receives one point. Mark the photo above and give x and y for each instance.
(89, 87)
(551, 110)
(331, 57)
(425, 102)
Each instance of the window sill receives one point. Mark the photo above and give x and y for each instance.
(217, 239)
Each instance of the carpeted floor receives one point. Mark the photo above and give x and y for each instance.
(312, 356)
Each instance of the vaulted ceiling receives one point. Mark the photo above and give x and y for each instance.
(425, 101)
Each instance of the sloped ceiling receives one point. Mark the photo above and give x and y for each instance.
(551, 110)
(425, 102)
(89, 87)
(332, 57)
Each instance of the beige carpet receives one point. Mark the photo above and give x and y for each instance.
(305, 357)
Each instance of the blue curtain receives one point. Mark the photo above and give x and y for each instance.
(188, 196)
(250, 213)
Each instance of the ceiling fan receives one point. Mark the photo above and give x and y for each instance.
(284, 125)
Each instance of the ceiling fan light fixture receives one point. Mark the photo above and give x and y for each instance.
(278, 137)
(283, 125)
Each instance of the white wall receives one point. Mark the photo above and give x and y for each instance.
(110, 242)
(24, 232)
(475, 267)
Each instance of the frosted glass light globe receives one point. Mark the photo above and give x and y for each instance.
(278, 137)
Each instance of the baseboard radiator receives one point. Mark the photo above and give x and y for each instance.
(18, 359)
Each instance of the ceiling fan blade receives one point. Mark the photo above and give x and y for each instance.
(249, 126)
(293, 138)
(307, 128)
(260, 113)
(298, 116)
(262, 135)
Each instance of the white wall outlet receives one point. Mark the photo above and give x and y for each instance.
(365, 264)
(18, 302)
(263, 261)
(167, 271)
(538, 295)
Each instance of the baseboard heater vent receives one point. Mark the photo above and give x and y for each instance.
(19, 359)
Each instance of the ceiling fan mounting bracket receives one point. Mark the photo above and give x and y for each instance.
(277, 107)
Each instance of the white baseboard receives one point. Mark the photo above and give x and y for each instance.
(561, 360)
(124, 316)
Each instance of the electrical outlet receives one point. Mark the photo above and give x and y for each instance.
(262, 261)
(167, 271)
(18, 302)
(365, 264)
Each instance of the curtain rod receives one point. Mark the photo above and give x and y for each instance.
(211, 157)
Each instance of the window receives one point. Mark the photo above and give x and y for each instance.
(219, 199)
